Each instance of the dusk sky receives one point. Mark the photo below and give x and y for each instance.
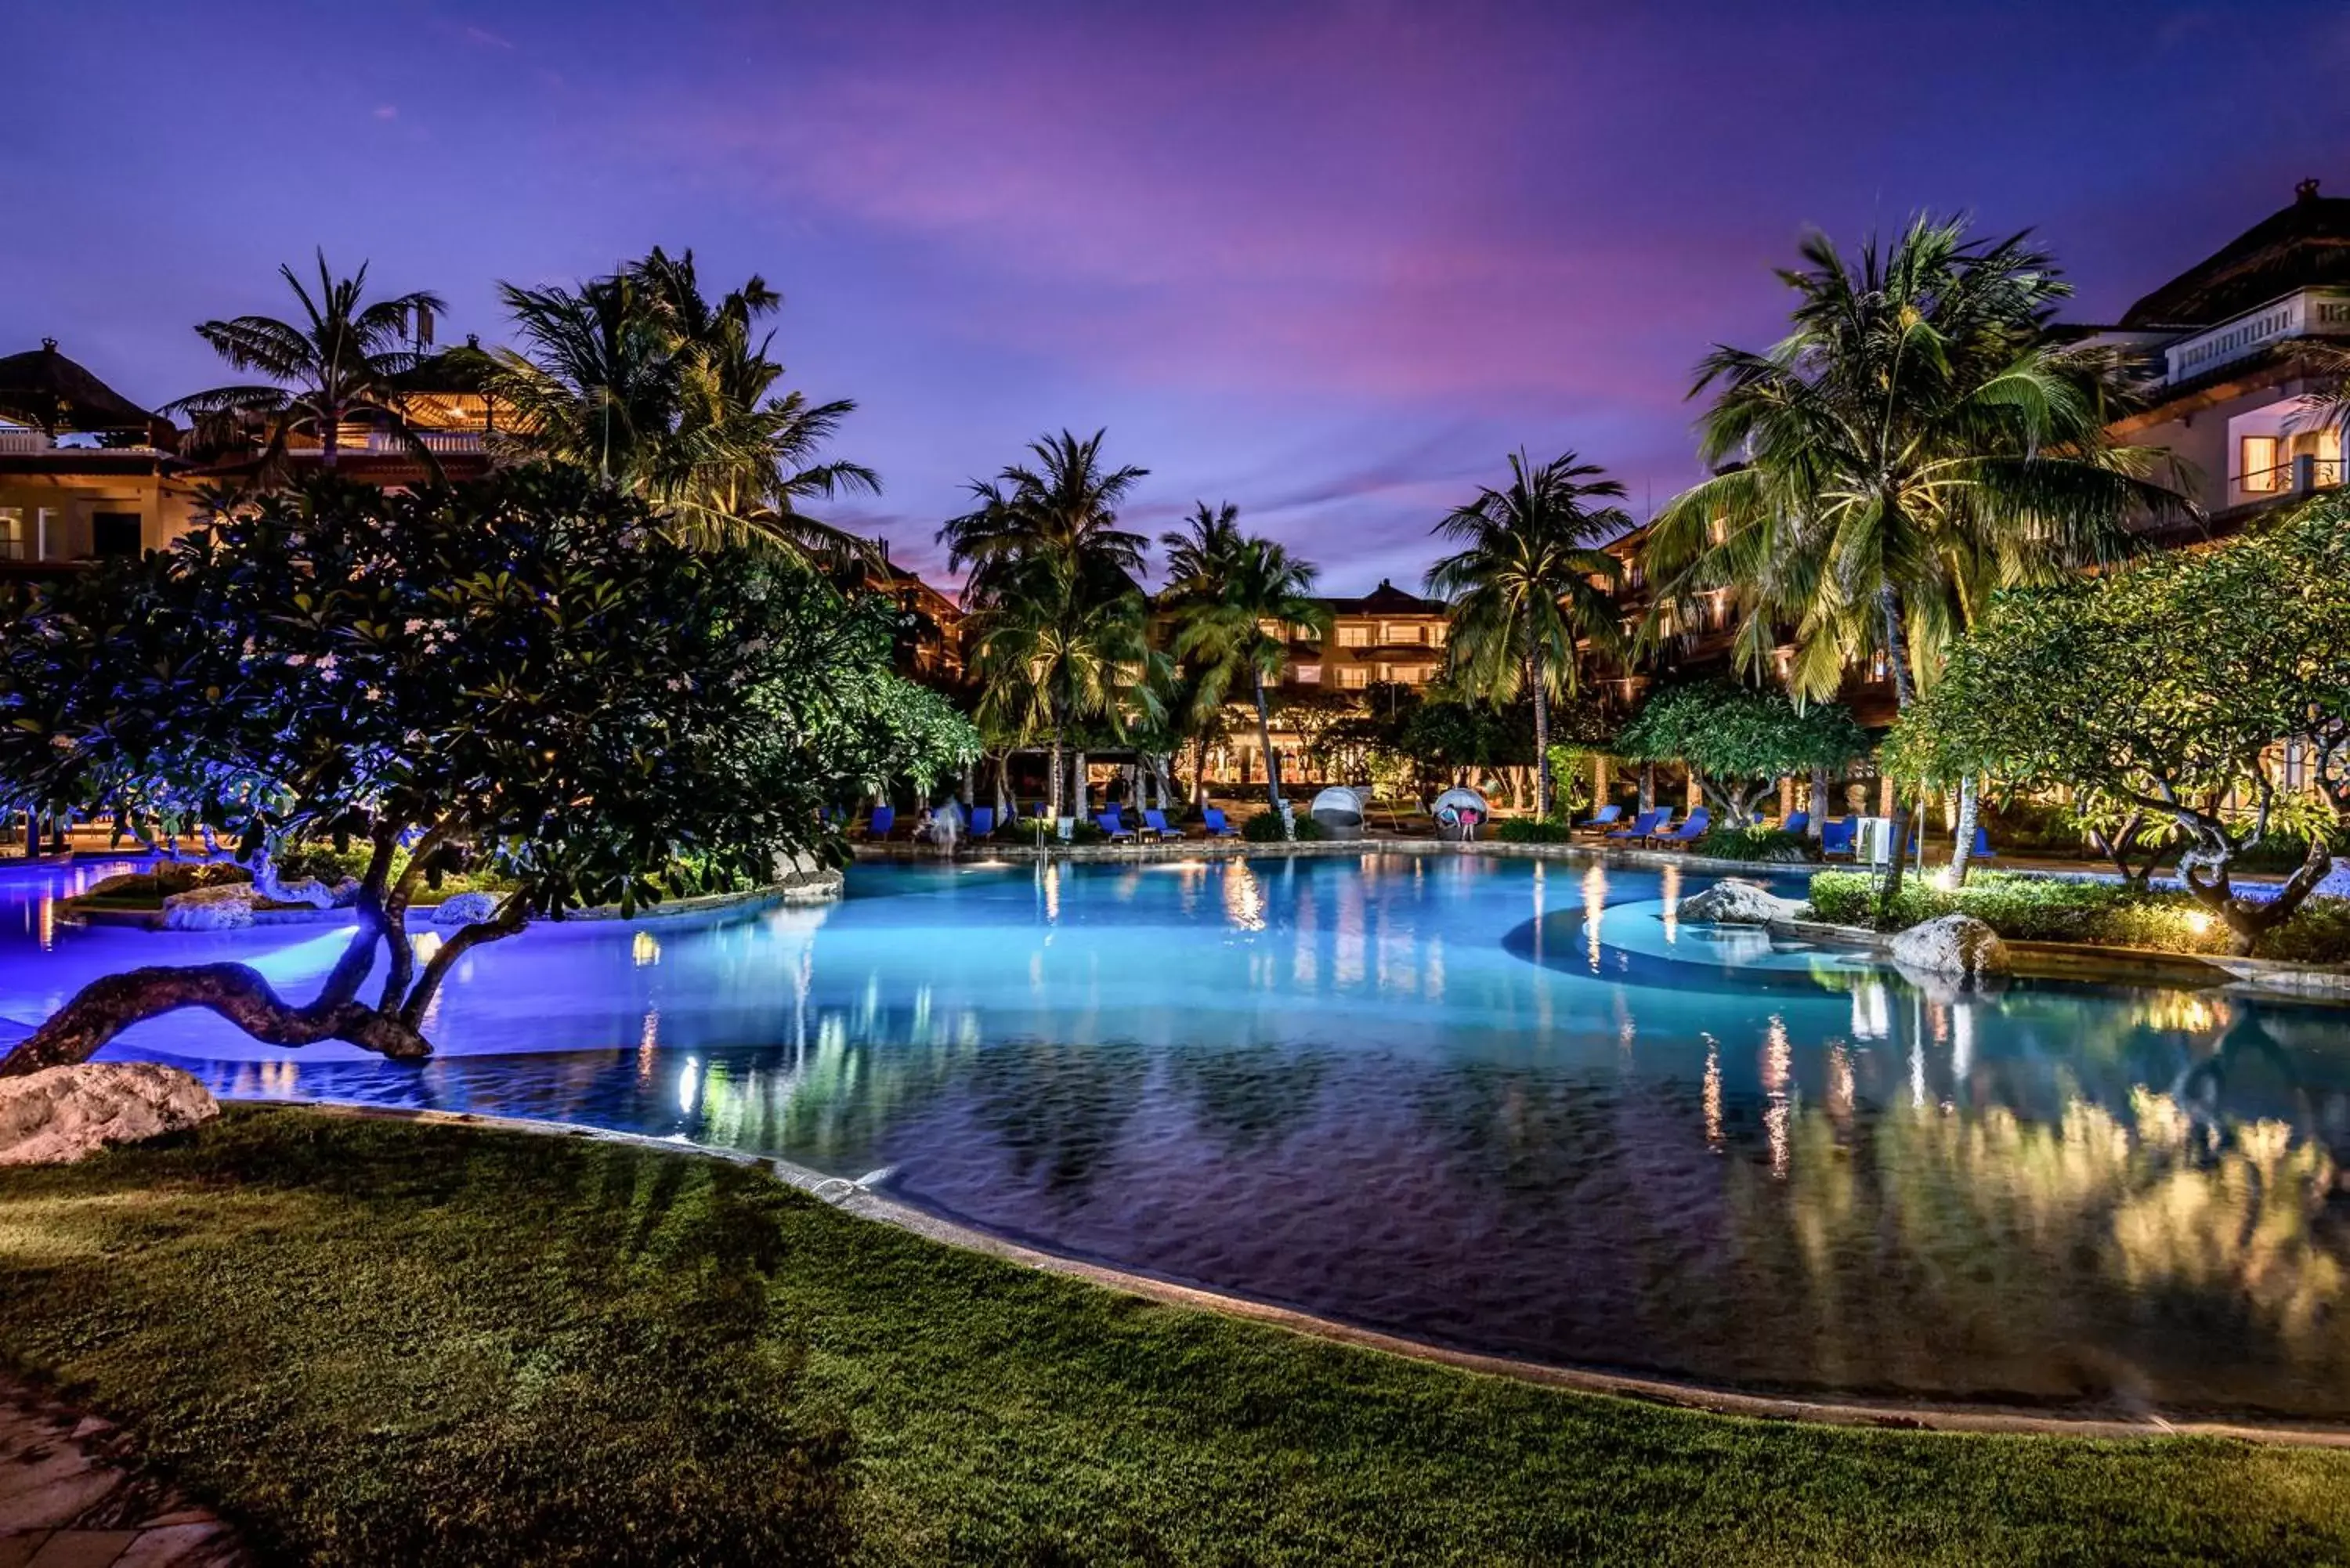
(1327, 262)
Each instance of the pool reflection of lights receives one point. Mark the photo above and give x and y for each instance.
(1348, 1085)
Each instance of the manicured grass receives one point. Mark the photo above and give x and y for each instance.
(382, 1343)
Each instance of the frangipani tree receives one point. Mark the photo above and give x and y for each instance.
(524, 676)
(2171, 686)
(1739, 740)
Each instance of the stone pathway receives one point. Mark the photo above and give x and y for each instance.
(70, 1496)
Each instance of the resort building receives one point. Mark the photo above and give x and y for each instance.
(2227, 350)
(84, 472)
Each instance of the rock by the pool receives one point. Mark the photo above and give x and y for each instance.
(225, 907)
(1735, 901)
(464, 909)
(62, 1113)
(1956, 945)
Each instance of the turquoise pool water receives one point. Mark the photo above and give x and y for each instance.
(1501, 1104)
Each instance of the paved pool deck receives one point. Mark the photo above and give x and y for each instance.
(73, 1495)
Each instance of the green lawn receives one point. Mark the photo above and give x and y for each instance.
(374, 1342)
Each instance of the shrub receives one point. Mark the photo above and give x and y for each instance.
(1526, 830)
(1265, 827)
(1755, 844)
(1038, 830)
(2103, 914)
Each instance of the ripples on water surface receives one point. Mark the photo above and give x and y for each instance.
(1496, 1103)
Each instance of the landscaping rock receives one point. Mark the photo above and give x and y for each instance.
(62, 1113)
(1738, 902)
(464, 909)
(220, 908)
(1958, 946)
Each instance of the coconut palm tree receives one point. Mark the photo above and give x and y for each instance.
(339, 359)
(1917, 439)
(1233, 599)
(1529, 582)
(1057, 624)
(669, 393)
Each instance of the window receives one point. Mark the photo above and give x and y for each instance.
(11, 534)
(1355, 636)
(2261, 468)
(114, 534)
(1303, 633)
(1436, 635)
(1306, 674)
(1354, 677)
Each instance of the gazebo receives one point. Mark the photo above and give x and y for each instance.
(43, 389)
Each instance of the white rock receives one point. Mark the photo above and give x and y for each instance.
(1956, 945)
(1735, 901)
(464, 909)
(223, 908)
(62, 1113)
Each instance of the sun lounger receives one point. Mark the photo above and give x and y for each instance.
(879, 825)
(1213, 816)
(1687, 833)
(1836, 839)
(1796, 821)
(1154, 823)
(1646, 823)
(1108, 821)
(1605, 817)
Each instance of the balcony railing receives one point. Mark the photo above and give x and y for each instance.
(2308, 313)
(2298, 477)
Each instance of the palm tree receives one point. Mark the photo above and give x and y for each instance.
(667, 393)
(1225, 590)
(1919, 438)
(340, 358)
(1529, 581)
(1058, 625)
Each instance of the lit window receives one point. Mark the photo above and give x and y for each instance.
(1878, 668)
(2261, 471)
(1354, 677)
(1436, 635)
(1356, 636)
(12, 532)
(1269, 627)
(1306, 674)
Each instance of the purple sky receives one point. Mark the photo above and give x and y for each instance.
(1327, 262)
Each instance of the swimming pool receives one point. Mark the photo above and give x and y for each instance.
(1502, 1105)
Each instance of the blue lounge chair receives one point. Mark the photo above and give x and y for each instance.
(1605, 816)
(878, 826)
(1646, 823)
(1688, 833)
(1836, 838)
(1154, 822)
(982, 821)
(1107, 820)
(1213, 816)
(1983, 851)
(1796, 821)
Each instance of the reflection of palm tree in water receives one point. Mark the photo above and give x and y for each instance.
(1060, 1108)
(1249, 1097)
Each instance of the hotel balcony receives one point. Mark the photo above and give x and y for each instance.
(2305, 313)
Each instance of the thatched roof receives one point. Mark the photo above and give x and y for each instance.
(43, 389)
(2306, 246)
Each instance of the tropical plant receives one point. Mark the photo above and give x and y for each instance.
(342, 357)
(1918, 440)
(643, 379)
(2165, 688)
(1056, 625)
(1529, 582)
(1235, 602)
(1738, 741)
(522, 677)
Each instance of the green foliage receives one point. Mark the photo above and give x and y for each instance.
(1265, 827)
(1739, 739)
(2103, 914)
(1756, 844)
(2160, 688)
(1043, 830)
(1528, 830)
(522, 677)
